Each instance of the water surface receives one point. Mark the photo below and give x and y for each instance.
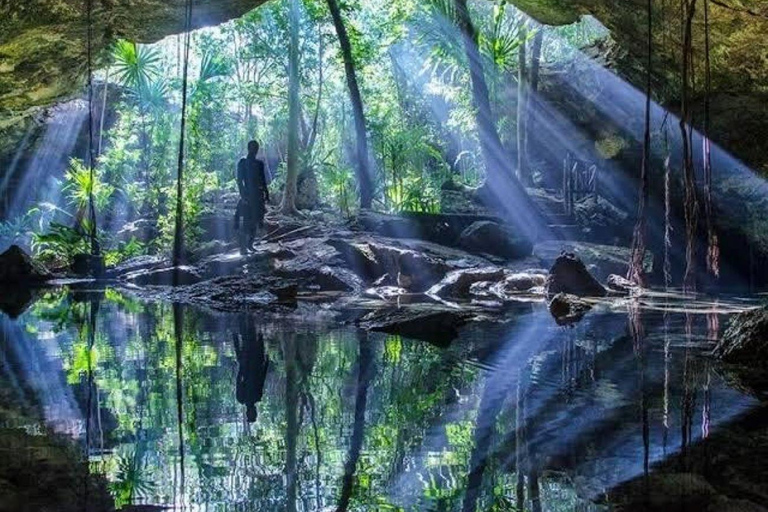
(521, 413)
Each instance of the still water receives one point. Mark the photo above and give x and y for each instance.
(182, 408)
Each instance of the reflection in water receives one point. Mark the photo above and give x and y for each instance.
(365, 374)
(253, 365)
(524, 415)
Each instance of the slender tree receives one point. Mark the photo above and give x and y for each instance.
(364, 178)
(523, 171)
(294, 107)
(103, 109)
(533, 89)
(95, 249)
(178, 236)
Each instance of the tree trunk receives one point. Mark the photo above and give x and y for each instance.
(292, 168)
(291, 417)
(364, 178)
(178, 236)
(103, 110)
(533, 89)
(523, 171)
(501, 186)
(365, 374)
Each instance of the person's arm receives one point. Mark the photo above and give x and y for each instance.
(266, 181)
(241, 178)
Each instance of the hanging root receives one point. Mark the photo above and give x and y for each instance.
(689, 173)
(636, 271)
(713, 248)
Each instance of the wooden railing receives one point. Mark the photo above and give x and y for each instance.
(580, 180)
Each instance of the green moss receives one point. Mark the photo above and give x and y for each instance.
(610, 145)
(550, 12)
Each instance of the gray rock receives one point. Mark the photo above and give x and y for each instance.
(568, 309)
(620, 285)
(487, 237)
(137, 264)
(16, 266)
(746, 338)
(522, 282)
(171, 276)
(569, 275)
(407, 268)
(457, 284)
(142, 230)
(389, 293)
(601, 260)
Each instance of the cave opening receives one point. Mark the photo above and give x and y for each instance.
(383, 255)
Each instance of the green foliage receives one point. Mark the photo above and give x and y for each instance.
(414, 172)
(80, 184)
(60, 244)
(136, 66)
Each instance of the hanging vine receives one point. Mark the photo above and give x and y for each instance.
(636, 272)
(690, 206)
(713, 249)
(178, 238)
(92, 230)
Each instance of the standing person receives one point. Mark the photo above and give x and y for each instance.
(254, 196)
(253, 365)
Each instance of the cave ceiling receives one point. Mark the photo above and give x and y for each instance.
(43, 49)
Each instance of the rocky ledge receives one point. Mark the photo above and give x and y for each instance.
(378, 272)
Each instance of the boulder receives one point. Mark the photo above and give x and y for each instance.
(522, 282)
(457, 284)
(455, 199)
(620, 285)
(170, 276)
(600, 260)
(360, 258)
(232, 263)
(137, 264)
(569, 275)
(568, 309)
(373, 260)
(488, 237)
(388, 293)
(746, 338)
(439, 228)
(141, 230)
(315, 276)
(16, 266)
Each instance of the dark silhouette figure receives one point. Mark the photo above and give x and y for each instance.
(253, 365)
(254, 195)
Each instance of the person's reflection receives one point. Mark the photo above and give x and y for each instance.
(253, 364)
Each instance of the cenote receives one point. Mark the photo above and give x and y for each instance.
(383, 255)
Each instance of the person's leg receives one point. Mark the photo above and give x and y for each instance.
(253, 217)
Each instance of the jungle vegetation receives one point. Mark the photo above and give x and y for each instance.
(390, 103)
